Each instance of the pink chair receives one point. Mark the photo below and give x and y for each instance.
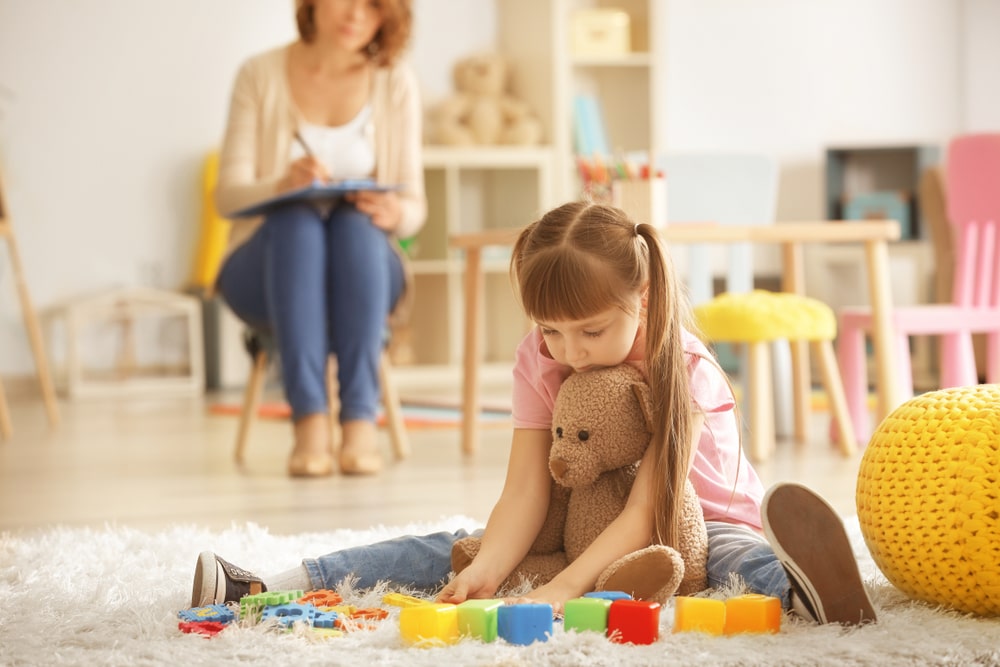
(972, 186)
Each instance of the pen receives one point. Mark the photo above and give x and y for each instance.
(305, 146)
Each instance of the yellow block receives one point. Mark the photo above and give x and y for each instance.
(699, 615)
(400, 600)
(752, 613)
(430, 624)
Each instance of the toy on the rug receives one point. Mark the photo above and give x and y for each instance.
(928, 498)
(601, 429)
(750, 613)
(480, 111)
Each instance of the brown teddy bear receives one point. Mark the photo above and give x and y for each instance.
(601, 427)
(480, 112)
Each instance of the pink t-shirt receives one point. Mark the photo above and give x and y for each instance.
(727, 485)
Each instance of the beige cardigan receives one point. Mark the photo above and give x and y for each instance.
(262, 122)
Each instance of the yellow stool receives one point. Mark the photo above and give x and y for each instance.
(757, 319)
(928, 496)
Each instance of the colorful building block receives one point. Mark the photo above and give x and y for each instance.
(400, 600)
(523, 624)
(587, 614)
(608, 595)
(219, 613)
(699, 615)
(290, 612)
(322, 598)
(752, 613)
(429, 624)
(207, 628)
(251, 606)
(478, 618)
(634, 621)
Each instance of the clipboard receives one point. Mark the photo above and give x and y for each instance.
(317, 192)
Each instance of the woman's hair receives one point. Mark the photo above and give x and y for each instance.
(388, 43)
(581, 259)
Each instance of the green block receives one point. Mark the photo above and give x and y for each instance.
(478, 618)
(583, 614)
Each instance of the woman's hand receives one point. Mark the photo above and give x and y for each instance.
(470, 584)
(303, 173)
(383, 208)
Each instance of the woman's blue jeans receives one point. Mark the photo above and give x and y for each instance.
(423, 562)
(322, 284)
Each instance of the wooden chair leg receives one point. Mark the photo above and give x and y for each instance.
(835, 394)
(393, 410)
(6, 430)
(761, 398)
(333, 405)
(251, 401)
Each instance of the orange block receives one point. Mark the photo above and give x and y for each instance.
(699, 615)
(752, 613)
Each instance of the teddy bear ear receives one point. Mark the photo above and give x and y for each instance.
(645, 397)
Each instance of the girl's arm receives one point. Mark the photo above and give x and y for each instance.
(631, 531)
(514, 522)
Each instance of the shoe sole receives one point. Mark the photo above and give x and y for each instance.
(810, 541)
(207, 574)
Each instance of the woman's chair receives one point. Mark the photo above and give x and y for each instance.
(972, 193)
(261, 347)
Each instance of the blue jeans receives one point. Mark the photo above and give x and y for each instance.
(323, 285)
(423, 562)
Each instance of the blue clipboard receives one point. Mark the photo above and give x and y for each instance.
(317, 192)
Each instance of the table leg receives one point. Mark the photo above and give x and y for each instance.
(879, 286)
(470, 366)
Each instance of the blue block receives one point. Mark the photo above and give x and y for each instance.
(523, 624)
(608, 595)
(218, 613)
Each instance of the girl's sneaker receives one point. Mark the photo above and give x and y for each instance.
(809, 540)
(217, 581)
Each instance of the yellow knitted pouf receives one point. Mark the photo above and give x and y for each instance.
(928, 498)
(761, 316)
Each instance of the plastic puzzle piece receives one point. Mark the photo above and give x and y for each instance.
(207, 628)
(587, 614)
(634, 621)
(608, 595)
(752, 613)
(288, 613)
(251, 606)
(699, 615)
(429, 624)
(219, 613)
(524, 624)
(322, 598)
(369, 614)
(478, 618)
(404, 601)
(327, 633)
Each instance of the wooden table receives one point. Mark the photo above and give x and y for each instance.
(791, 236)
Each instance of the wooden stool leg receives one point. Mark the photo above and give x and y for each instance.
(333, 405)
(393, 411)
(6, 430)
(835, 393)
(251, 401)
(761, 398)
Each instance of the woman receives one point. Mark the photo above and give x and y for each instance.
(335, 104)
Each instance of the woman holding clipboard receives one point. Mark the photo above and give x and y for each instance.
(336, 104)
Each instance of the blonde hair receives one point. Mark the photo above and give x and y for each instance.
(390, 40)
(581, 259)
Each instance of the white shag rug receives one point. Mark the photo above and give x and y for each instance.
(111, 597)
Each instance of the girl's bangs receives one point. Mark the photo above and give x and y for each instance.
(567, 286)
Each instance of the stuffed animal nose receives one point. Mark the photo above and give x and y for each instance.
(558, 468)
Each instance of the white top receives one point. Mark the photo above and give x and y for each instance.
(348, 150)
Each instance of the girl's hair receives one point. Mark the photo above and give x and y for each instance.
(581, 259)
(388, 43)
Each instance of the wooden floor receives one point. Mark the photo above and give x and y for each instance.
(151, 463)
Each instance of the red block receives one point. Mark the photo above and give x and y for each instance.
(634, 622)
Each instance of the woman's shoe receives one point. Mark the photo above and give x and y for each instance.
(359, 454)
(302, 464)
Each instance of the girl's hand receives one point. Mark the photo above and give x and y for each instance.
(302, 173)
(382, 207)
(469, 584)
(551, 593)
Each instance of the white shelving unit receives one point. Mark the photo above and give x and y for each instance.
(471, 189)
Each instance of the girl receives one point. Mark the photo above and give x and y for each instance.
(335, 104)
(602, 291)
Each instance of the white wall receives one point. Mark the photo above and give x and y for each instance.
(108, 106)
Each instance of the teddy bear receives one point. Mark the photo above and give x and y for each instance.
(601, 427)
(480, 112)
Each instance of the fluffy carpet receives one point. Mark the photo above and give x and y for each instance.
(110, 597)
